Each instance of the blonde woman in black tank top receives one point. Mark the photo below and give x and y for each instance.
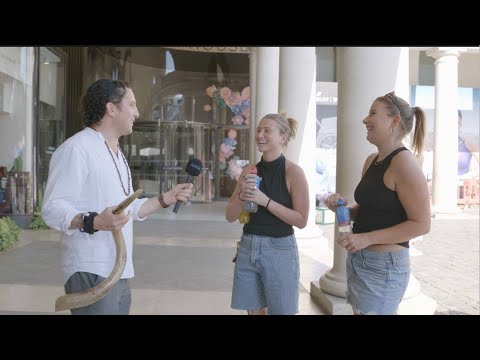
(266, 275)
(391, 207)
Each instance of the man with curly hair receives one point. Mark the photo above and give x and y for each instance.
(88, 177)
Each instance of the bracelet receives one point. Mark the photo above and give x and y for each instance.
(87, 223)
(268, 203)
(162, 202)
(91, 218)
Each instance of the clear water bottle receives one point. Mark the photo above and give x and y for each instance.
(251, 206)
(343, 218)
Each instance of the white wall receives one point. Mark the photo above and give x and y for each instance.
(469, 70)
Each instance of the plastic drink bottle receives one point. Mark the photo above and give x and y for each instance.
(251, 206)
(343, 218)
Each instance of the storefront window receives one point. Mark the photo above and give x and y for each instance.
(326, 152)
(51, 111)
(191, 104)
(326, 121)
(16, 127)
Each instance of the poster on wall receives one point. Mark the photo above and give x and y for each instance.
(423, 96)
(468, 128)
(326, 131)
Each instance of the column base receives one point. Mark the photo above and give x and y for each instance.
(419, 304)
(332, 305)
(334, 283)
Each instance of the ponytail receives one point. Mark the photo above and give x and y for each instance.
(419, 133)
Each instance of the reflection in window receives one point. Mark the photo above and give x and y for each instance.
(170, 65)
(178, 118)
(16, 125)
(51, 111)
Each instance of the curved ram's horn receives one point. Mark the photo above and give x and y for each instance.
(90, 296)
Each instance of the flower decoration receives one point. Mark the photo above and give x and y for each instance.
(234, 169)
(228, 145)
(238, 102)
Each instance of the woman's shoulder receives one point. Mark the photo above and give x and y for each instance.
(293, 169)
(404, 155)
(405, 161)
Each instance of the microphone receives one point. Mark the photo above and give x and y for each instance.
(193, 168)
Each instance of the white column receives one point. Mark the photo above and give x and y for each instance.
(297, 91)
(363, 74)
(266, 66)
(445, 149)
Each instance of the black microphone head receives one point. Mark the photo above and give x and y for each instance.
(194, 167)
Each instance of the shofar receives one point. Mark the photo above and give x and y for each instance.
(90, 296)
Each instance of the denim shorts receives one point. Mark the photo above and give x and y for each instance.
(267, 274)
(376, 280)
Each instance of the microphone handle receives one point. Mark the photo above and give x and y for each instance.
(177, 205)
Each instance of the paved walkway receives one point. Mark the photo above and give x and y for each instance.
(184, 266)
(448, 266)
(181, 267)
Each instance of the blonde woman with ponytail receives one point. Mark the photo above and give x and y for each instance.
(392, 206)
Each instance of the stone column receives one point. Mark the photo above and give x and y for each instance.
(445, 149)
(265, 91)
(297, 96)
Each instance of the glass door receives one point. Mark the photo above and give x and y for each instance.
(158, 156)
(51, 111)
(182, 142)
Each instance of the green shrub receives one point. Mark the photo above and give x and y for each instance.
(9, 232)
(37, 222)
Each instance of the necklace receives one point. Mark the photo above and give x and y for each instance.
(118, 171)
(378, 162)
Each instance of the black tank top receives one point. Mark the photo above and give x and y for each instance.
(380, 207)
(274, 185)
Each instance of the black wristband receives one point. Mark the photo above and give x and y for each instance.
(88, 223)
(93, 217)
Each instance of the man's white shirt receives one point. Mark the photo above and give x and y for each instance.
(82, 178)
